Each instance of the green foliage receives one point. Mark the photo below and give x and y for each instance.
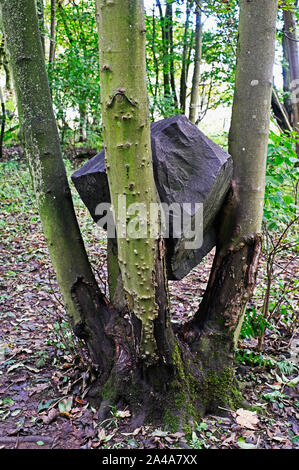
(254, 359)
(281, 203)
(74, 75)
(217, 59)
(280, 212)
(253, 324)
(194, 442)
(286, 367)
(11, 135)
(219, 51)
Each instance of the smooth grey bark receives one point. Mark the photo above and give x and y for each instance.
(292, 48)
(197, 59)
(52, 32)
(233, 275)
(184, 72)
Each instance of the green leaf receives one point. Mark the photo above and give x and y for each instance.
(244, 445)
(45, 405)
(65, 406)
(132, 443)
(202, 427)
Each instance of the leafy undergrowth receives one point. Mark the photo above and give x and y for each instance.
(44, 370)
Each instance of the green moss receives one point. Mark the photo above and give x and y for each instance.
(109, 391)
(177, 360)
(171, 421)
(220, 390)
(188, 431)
(184, 394)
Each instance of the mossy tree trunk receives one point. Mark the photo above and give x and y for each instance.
(83, 300)
(148, 373)
(215, 328)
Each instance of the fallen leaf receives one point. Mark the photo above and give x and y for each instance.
(159, 433)
(15, 366)
(80, 401)
(101, 435)
(123, 414)
(247, 418)
(177, 435)
(65, 405)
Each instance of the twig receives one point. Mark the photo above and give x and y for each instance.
(58, 300)
(11, 439)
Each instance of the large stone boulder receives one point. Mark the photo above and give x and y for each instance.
(188, 168)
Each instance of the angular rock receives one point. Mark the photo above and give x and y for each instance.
(188, 168)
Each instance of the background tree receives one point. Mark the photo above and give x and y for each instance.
(291, 49)
(197, 60)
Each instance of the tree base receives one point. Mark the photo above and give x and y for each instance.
(174, 397)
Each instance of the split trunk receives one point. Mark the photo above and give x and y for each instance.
(164, 374)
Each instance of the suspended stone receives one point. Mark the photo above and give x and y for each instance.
(188, 168)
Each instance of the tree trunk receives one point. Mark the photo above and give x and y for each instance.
(197, 60)
(83, 300)
(149, 358)
(41, 20)
(280, 113)
(165, 52)
(52, 32)
(184, 76)
(170, 47)
(5, 64)
(291, 40)
(286, 80)
(128, 156)
(232, 279)
(3, 120)
(155, 59)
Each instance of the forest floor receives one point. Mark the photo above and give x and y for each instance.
(43, 381)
